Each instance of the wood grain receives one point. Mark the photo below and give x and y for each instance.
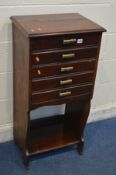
(36, 25)
(38, 81)
(21, 87)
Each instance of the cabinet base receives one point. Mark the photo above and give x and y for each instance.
(80, 146)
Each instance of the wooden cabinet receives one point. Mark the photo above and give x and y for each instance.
(54, 62)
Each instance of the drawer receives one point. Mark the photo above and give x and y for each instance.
(61, 69)
(63, 55)
(62, 81)
(61, 93)
(64, 41)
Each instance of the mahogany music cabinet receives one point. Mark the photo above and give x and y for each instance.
(55, 60)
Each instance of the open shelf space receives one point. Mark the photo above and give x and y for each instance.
(49, 134)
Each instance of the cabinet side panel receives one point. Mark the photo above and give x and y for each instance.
(97, 59)
(21, 86)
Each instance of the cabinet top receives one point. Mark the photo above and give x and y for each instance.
(50, 24)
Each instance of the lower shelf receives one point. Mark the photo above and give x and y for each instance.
(50, 137)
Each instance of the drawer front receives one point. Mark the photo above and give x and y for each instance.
(63, 55)
(62, 81)
(65, 41)
(61, 69)
(61, 93)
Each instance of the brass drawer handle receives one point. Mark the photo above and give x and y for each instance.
(70, 55)
(69, 41)
(62, 94)
(63, 69)
(65, 81)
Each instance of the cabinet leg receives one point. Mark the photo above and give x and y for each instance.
(26, 161)
(80, 146)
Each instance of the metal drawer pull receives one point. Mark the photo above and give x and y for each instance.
(65, 81)
(63, 69)
(62, 94)
(69, 41)
(70, 55)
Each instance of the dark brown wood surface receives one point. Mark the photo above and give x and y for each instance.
(72, 41)
(63, 55)
(21, 89)
(57, 82)
(55, 61)
(70, 67)
(50, 95)
(36, 25)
